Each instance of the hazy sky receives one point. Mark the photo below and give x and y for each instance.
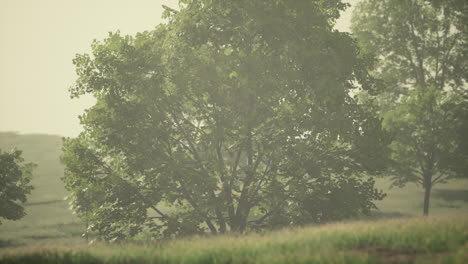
(39, 39)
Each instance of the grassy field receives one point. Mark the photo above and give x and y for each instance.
(437, 239)
(50, 223)
(448, 198)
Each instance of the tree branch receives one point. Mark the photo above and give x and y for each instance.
(438, 179)
(135, 189)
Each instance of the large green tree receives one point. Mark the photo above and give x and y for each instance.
(420, 50)
(14, 184)
(236, 114)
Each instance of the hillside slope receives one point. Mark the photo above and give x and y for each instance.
(48, 218)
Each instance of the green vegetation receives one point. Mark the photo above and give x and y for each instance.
(442, 239)
(14, 184)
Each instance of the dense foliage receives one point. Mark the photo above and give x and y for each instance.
(421, 53)
(233, 115)
(14, 184)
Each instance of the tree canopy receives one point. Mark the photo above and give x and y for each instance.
(14, 184)
(234, 114)
(416, 43)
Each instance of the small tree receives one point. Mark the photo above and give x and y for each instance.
(428, 149)
(420, 50)
(14, 184)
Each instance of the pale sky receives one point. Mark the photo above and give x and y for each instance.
(39, 39)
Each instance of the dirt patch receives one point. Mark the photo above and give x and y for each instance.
(394, 256)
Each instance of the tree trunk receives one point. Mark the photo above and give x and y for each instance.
(240, 222)
(427, 195)
(243, 208)
(87, 226)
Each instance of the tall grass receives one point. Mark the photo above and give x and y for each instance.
(442, 239)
